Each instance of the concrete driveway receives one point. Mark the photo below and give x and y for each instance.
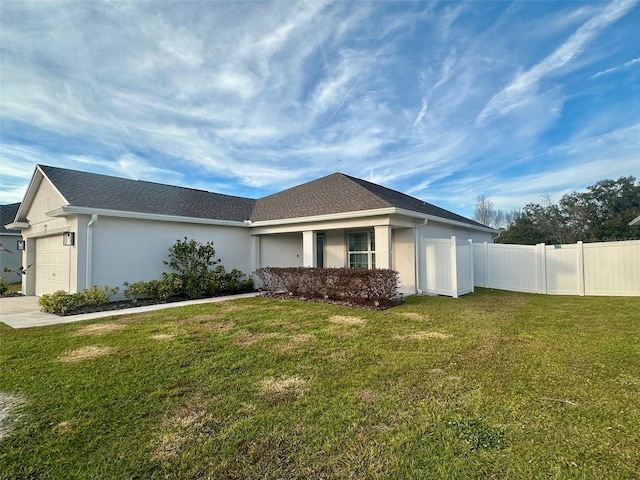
(24, 312)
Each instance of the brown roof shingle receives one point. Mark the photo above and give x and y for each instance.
(333, 194)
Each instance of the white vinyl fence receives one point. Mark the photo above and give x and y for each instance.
(452, 267)
(611, 268)
(445, 266)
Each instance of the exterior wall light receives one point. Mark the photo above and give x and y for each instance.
(21, 244)
(68, 239)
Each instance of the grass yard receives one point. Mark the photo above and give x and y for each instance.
(491, 385)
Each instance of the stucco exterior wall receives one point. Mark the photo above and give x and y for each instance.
(133, 250)
(403, 256)
(335, 249)
(281, 250)
(435, 229)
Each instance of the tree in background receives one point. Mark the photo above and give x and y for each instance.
(600, 214)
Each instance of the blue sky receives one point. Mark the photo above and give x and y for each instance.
(444, 101)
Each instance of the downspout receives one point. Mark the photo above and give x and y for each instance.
(416, 242)
(89, 259)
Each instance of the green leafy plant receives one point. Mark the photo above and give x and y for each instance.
(63, 303)
(192, 262)
(59, 302)
(96, 295)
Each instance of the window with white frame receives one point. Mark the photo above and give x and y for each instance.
(362, 250)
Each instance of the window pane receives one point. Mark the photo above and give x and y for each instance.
(358, 260)
(358, 242)
(320, 250)
(373, 260)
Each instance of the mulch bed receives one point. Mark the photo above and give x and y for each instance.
(122, 304)
(365, 303)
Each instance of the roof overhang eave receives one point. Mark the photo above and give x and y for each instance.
(368, 213)
(325, 218)
(15, 226)
(70, 209)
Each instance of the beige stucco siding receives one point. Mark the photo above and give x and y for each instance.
(133, 250)
(403, 255)
(335, 250)
(281, 250)
(435, 229)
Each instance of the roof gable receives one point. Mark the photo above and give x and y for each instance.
(91, 190)
(340, 193)
(336, 193)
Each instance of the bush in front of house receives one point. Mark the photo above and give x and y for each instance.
(197, 273)
(169, 286)
(377, 287)
(62, 303)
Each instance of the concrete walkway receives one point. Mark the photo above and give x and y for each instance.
(24, 312)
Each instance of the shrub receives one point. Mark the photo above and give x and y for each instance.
(192, 263)
(169, 286)
(4, 286)
(97, 296)
(59, 302)
(63, 303)
(377, 287)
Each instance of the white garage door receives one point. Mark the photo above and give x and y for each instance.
(52, 265)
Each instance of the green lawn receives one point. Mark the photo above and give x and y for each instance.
(491, 385)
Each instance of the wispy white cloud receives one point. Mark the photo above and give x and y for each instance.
(614, 69)
(252, 97)
(523, 87)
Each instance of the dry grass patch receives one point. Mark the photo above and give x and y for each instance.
(100, 329)
(163, 336)
(180, 428)
(483, 352)
(422, 336)
(8, 403)
(285, 389)
(297, 341)
(85, 353)
(368, 396)
(65, 427)
(340, 355)
(246, 338)
(347, 320)
(200, 319)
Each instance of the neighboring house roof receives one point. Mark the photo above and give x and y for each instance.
(635, 221)
(331, 195)
(7, 214)
(82, 189)
(340, 193)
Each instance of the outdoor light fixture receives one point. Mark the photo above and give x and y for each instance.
(68, 239)
(21, 244)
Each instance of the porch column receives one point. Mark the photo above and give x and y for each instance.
(383, 246)
(308, 247)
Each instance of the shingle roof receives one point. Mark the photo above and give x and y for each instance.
(333, 194)
(339, 193)
(8, 215)
(82, 189)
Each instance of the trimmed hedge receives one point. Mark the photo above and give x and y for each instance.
(61, 302)
(377, 287)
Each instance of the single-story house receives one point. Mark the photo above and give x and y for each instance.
(83, 229)
(10, 254)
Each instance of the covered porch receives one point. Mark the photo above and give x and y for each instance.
(370, 243)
